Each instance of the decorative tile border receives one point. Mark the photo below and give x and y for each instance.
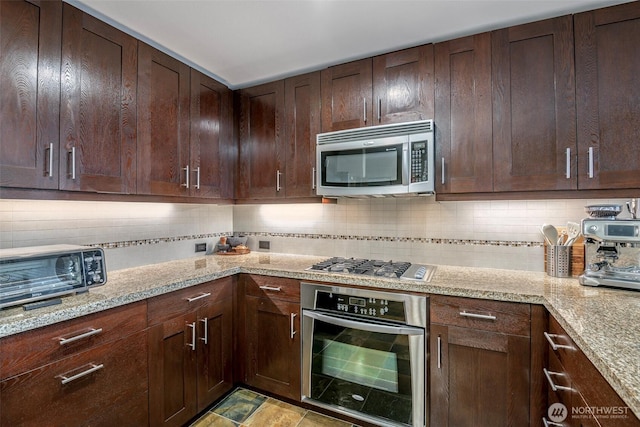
(424, 240)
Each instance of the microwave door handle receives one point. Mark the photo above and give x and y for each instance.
(369, 327)
(405, 166)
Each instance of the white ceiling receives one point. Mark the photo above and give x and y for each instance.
(242, 42)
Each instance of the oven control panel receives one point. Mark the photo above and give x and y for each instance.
(360, 306)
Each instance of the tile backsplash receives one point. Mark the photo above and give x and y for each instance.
(497, 234)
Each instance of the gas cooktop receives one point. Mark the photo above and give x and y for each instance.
(375, 268)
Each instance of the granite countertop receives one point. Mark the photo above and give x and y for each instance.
(603, 322)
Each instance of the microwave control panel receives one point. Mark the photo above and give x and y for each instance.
(419, 168)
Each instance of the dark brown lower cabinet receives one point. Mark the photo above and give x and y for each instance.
(190, 351)
(480, 363)
(271, 335)
(90, 371)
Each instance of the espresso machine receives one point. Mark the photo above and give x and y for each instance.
(612, 248)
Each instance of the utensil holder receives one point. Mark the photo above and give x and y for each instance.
(559, 261)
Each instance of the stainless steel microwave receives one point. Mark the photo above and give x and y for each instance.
(39, 273)
(386, 160)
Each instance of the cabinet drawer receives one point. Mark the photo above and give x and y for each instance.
(109, 388)
(272, 287)
(167, 306)
(495, 316)
(29, 350)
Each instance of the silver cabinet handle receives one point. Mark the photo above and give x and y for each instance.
(49, 172)
(197, 172)
(550, 423)
(442, 171)
(93, 367)
(477, 316)
(364, 109)
(271, 288)
(72, 169)
(92, 332)
(292, 328)
(278, 186)
(202, 295)
(568, 167)
(553, 385)
(555, 346)
(186, 176)
(379, 109)
(439, 352)
(205, 322)
(590, 162)
(192, 344)
(313, 178)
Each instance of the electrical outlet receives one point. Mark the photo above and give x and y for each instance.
(201, 247)
(264, 244)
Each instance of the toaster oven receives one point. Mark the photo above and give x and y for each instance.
(30, 275)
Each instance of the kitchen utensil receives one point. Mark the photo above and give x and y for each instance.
(573, 231)
(562, 237)
(550, 233)
(632, 207)
(603, 211)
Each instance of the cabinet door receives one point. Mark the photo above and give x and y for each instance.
(163, 123)
(403, 85)
(98, 106)
(534, 107)
(261, 158)
(302, 120)
(478, 378)
(211, 122)
(347, 96)
(172, 371)
(29, 93)
(104, 386)
(273, 346)
(215, 346)
(608, 97)
(464, 149)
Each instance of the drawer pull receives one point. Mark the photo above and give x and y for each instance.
(478, 316)
(439, 352)
(548, 423)
(92, 332)
(192, 344)
(271, 288)
(555, 346)
(204, 295)
(553, 385)
(93, 368)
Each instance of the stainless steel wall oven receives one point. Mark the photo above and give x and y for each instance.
(364, 352)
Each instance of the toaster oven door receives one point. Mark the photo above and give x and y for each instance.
(37, 278)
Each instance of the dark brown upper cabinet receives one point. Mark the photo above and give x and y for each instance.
(346, 96)
(211, 157)
(163, 124)
(464, 154)
(98, 106)
(302, 121)
(534, 116)
(30, 93)
(391, 88)
(608, 97)
(403, 85)
(262, 158)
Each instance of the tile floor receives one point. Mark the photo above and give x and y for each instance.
(244, 408)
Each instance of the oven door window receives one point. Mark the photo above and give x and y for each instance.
(365, 368)
(363, 167)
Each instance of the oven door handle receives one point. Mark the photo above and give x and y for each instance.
(369, 327)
